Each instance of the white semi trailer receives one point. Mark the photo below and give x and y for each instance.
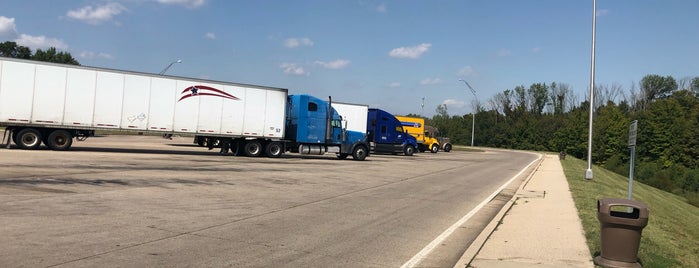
(53, 103)
(354, 114)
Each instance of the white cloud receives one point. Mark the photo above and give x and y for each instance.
(297, 42)
(336, 64)
(410, 52)
(452, 103)
(430, 81)
(8, 29)
(35, 42)
(185, 3)
(467, 71)
(211, 36)
(98, 14)
(293, 69)
(381, 8)
(504, 53)
(394, 85)
(602, 12)
(92, 55)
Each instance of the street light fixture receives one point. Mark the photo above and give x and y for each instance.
(588, 172)
(473, 123)
(168, 66)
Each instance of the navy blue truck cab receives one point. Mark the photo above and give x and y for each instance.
(385, 134)
(314, 127)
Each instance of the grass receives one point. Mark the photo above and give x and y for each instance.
(671, 238)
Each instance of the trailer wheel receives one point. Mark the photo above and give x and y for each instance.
(252, 148)
(359, 153)
(28, 138)
(447, 147)
(14, 137)
(274, 149)
(409, 150)
(434, 148)
(201, 141)
(59, 140)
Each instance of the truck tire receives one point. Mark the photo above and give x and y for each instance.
(342, 156)
(408, 150)
(274, 149)
(201, 141)
(447, 147)
(359, 153)
(434, 148)
(252, 148)
(59, 140)
(28, 139)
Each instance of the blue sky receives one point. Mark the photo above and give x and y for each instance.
(386, 54)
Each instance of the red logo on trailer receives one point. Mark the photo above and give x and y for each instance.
(200, 90)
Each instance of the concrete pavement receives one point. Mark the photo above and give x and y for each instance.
(539, 227)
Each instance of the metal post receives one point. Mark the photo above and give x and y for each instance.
(168, 66)
(588, 172)
(473, 128)
(473, 124)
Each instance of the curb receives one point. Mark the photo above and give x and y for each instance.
(482, 238)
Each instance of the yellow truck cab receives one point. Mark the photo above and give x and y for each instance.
(415, 126)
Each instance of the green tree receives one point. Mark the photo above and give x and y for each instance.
(694, 85)
(538, 96)
(51, 55)
(12, 50)
(657, 87)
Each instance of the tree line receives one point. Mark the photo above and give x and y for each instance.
(549, 117)
(13, 50)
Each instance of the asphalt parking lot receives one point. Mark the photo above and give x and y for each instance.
(148, 201)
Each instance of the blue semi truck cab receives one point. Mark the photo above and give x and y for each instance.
(385, 134)
(314, 127)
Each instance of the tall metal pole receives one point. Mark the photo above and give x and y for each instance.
(422, 105)
(588, 172)
(473, 123)
(168, 66)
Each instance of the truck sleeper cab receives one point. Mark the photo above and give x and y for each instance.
(386, 134)
(314, 127)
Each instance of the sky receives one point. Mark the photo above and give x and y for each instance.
(385, 54)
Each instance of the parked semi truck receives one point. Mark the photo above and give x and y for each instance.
(386, 134)
(53, 103)
(444, 142)
(415, 126)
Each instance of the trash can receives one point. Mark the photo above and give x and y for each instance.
(562, 156)
(620, 231)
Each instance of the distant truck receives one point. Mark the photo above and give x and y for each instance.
(385, 134)
(415, 126)
(51, 103)
(444, 142)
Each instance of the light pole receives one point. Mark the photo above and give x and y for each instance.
(168, 66)
(473, 123)
(588, 172)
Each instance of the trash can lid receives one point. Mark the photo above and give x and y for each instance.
(604, 206)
